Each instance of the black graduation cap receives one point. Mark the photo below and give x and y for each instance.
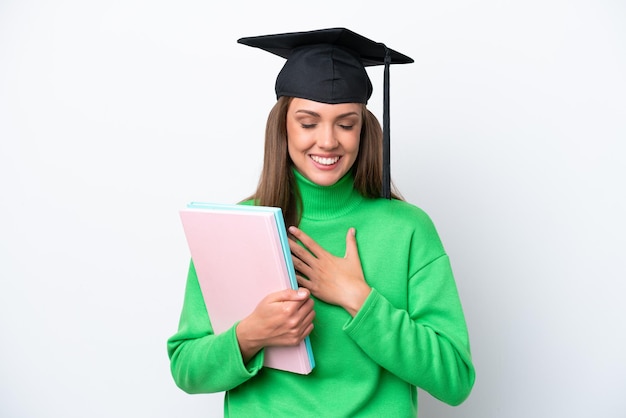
(328, 66)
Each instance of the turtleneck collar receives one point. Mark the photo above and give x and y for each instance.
(327, 202)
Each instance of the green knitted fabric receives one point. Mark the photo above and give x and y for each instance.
(410, 332)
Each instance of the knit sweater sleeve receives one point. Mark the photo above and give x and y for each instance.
(201, 361)
(427, 344)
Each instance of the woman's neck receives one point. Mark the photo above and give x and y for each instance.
(326, 202)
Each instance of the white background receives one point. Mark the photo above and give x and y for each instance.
(508, 130)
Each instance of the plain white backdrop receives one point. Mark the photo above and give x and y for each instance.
(508, 130)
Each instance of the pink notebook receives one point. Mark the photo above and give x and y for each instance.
(241, 254)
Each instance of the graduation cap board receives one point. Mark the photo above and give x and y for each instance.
(328, 66)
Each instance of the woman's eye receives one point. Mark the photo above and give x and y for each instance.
(307, 125)
(347, 127)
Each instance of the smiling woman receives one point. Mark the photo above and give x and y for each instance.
(378, 299)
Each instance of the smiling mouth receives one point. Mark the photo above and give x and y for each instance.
(325, 160)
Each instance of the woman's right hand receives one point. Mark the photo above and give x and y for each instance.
(283, 318)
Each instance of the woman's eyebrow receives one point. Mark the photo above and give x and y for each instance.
(345, 115)
(308, 112)
(317, 115)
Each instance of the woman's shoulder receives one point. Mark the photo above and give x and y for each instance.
(400, 209)
(399, 214)
(247, 202)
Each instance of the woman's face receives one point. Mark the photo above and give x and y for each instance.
(323, 139)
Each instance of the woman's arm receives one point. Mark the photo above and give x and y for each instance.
(204, 362)
(426, 344)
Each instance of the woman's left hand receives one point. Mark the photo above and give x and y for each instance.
(335, 280)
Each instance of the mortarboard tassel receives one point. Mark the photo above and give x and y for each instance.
(386, 136)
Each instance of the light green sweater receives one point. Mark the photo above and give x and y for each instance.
(410, 332)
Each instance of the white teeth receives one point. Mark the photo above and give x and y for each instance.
(324, 160)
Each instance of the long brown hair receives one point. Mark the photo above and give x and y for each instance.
(277, 186)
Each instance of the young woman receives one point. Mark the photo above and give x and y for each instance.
(377, 299)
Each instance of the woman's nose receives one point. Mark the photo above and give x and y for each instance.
(326, 138)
